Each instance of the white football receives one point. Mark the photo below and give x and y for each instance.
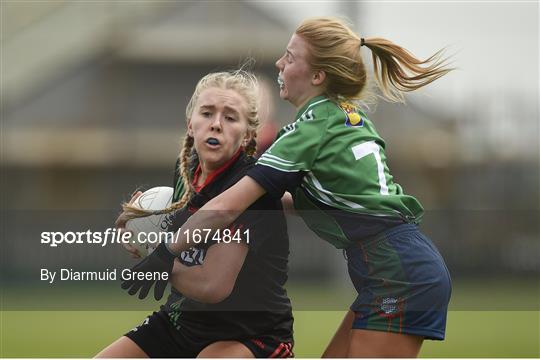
(150, 227)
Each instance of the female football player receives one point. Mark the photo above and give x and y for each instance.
(332, 160)
(228, 298)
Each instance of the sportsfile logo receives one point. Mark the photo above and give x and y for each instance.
(101, 238)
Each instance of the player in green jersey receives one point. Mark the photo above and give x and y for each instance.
(333, 162)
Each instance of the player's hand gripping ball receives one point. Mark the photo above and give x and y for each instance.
(146, 229)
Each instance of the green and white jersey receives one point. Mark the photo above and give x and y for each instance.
(336, 152)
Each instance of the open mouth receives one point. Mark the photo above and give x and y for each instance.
(212, 141)
(280, 82)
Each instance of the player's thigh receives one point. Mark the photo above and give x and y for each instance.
(226, 349)
(122, 348)
(374, 344)
(339, 345)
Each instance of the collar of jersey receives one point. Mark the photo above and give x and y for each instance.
(309, 104)
(215, 173)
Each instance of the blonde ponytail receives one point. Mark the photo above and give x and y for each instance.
(335, 49)
(398, 71)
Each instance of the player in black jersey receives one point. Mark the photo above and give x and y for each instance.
(228, 296)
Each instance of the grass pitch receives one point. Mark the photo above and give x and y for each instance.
(500, 329)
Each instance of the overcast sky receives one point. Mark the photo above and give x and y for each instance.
(495, 45)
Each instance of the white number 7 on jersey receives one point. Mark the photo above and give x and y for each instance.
(370, 147)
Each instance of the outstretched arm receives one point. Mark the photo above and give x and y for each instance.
(219, 212)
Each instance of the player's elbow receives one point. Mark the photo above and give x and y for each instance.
(217, 291)
(227, 216)
(225, 210)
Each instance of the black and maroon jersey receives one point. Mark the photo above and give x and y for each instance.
(258, 303)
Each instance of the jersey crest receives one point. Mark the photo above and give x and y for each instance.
(353, 117)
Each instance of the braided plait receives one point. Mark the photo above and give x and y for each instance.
(132, 212)
(251, 147)
(185, 172)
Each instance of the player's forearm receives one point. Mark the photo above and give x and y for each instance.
(218, 212)
(202, 220)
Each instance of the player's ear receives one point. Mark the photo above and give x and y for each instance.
(189, 129)
(318, 78)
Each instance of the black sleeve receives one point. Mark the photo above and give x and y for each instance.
(274, 181)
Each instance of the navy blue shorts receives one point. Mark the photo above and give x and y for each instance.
(402, 282)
